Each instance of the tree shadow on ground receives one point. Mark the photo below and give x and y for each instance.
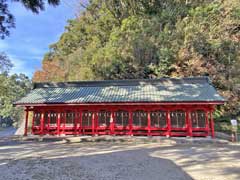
(123, 165)
(210, 160)
(116, 160)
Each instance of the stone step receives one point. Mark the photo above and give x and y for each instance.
(128, 139)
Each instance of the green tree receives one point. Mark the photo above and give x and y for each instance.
(5, 63)
(12, 87)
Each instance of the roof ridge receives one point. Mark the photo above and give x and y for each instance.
(125, 82)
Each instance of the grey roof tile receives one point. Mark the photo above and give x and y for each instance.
(161, 90)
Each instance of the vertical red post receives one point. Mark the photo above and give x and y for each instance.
(212, 124)
(93, 124)
(80, 122)
(130, 122)
(168, 124)
(48, 115)
(75, 122)
(207, 124)
(26, 122)
(112, 123)
(64, 120)
(33, 114)
(149, 123)
(42, 122)
(58, 123)
(189, 121)
(96, 123)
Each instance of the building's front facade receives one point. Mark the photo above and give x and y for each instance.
(163, 107)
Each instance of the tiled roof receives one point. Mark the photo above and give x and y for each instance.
(114, 91)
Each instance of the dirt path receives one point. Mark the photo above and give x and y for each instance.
(107, 161)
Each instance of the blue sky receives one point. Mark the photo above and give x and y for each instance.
(33, 34)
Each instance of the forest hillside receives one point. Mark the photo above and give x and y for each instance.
(125, 39)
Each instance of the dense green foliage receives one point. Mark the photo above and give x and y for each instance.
(12, 87)
(151, 39)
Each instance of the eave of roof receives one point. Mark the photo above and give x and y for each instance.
(126, 103)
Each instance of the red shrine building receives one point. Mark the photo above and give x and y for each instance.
(159, 107)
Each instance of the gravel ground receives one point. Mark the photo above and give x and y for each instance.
(109, 161)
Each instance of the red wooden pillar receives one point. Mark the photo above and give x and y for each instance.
(149, 123)
(112, 132)
(93, 123)
(189, 121)
(48, 118)
(130, 122)
(75, 122)
(212, 124)
(96, 122)
(168, 124)
(80, 122)
(33, 118)
(58, 122)
(26, 121)
(64, 120)
(207, 124)
(42, 123)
